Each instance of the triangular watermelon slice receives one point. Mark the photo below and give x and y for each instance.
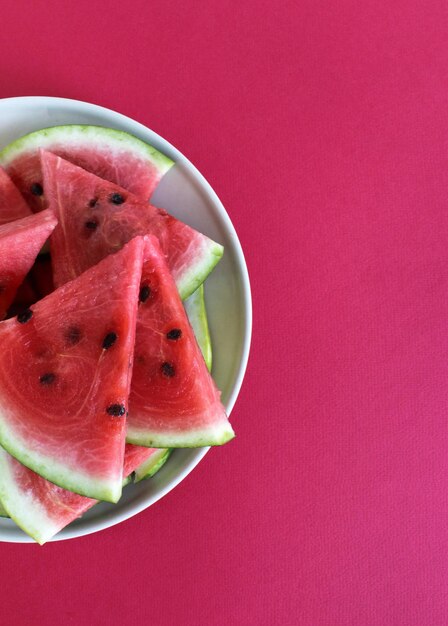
(174, 402)
(111, 154)
(65, 376)
(42, 509)
(12, 204)
(20, 243)
(97, 217)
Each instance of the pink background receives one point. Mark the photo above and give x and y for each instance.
(323, 126)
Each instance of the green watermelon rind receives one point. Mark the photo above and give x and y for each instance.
(3, 512)
(207, 257)
(22, 508)
(216, 434)
(58, 473)
(152, 465)
(83, 134)
(197, 315)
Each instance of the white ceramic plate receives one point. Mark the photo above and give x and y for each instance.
(188, 196)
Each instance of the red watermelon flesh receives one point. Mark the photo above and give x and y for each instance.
(20, 242)
(12, 204)
(174, 402)
(97, 217)
(111, 154)
(65, 376)
(40, 507)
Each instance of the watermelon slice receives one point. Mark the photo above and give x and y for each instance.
(197, 316)
(174, 402)
(65, 376)
(20, 242)
(111, 154)
(12, 204)
(42, 509)
(98, 217)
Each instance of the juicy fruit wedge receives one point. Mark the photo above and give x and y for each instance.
(12, 204)
(111, 154)
(197, 316)
(20, 242)
(174, 402)
(98, 217)
(40, 508)
(65, 376)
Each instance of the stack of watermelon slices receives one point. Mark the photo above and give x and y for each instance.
(102, 370)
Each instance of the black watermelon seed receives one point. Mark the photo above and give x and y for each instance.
(91, 225)
(116, 410)
(168, 369)
(145, 292)
(25, 316)
(37, 189)
(47, 379)
(93, 202)
(109, 340)
(116, 198)
(174, 334)
(73, 335)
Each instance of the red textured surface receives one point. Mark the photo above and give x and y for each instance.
(323, 127)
